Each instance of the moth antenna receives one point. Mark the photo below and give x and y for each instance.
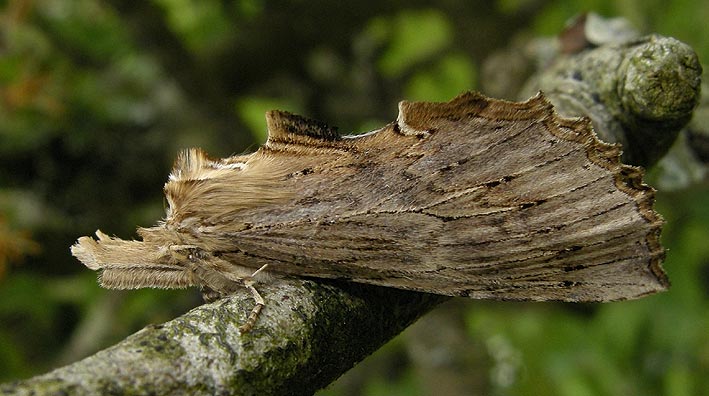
(136, 278)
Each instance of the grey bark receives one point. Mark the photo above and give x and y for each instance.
(638, 91)
(310, 332)
(641, 91)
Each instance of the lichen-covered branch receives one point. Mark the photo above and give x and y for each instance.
(639, 91)
(308, 335)
(310, 332)
(642, 91)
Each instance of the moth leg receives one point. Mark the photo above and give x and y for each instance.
(210, 295)
(260, 303)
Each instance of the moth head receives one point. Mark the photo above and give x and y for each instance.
(134, 264)
(159, 261)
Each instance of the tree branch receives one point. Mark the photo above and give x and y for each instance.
(638, 91)
(310, 332)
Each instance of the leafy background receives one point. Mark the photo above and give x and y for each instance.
(97, 97)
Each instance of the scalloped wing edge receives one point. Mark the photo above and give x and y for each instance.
(414, 117)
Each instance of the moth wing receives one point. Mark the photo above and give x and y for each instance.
(473, 197)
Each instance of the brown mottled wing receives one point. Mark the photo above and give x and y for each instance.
(474, 197)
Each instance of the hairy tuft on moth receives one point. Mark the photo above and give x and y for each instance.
(474, 197)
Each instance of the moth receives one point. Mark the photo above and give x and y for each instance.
(474, 197)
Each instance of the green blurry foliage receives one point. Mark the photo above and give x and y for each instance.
(97, 97)
(201, 25)
(443, 80)
(403, 36)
